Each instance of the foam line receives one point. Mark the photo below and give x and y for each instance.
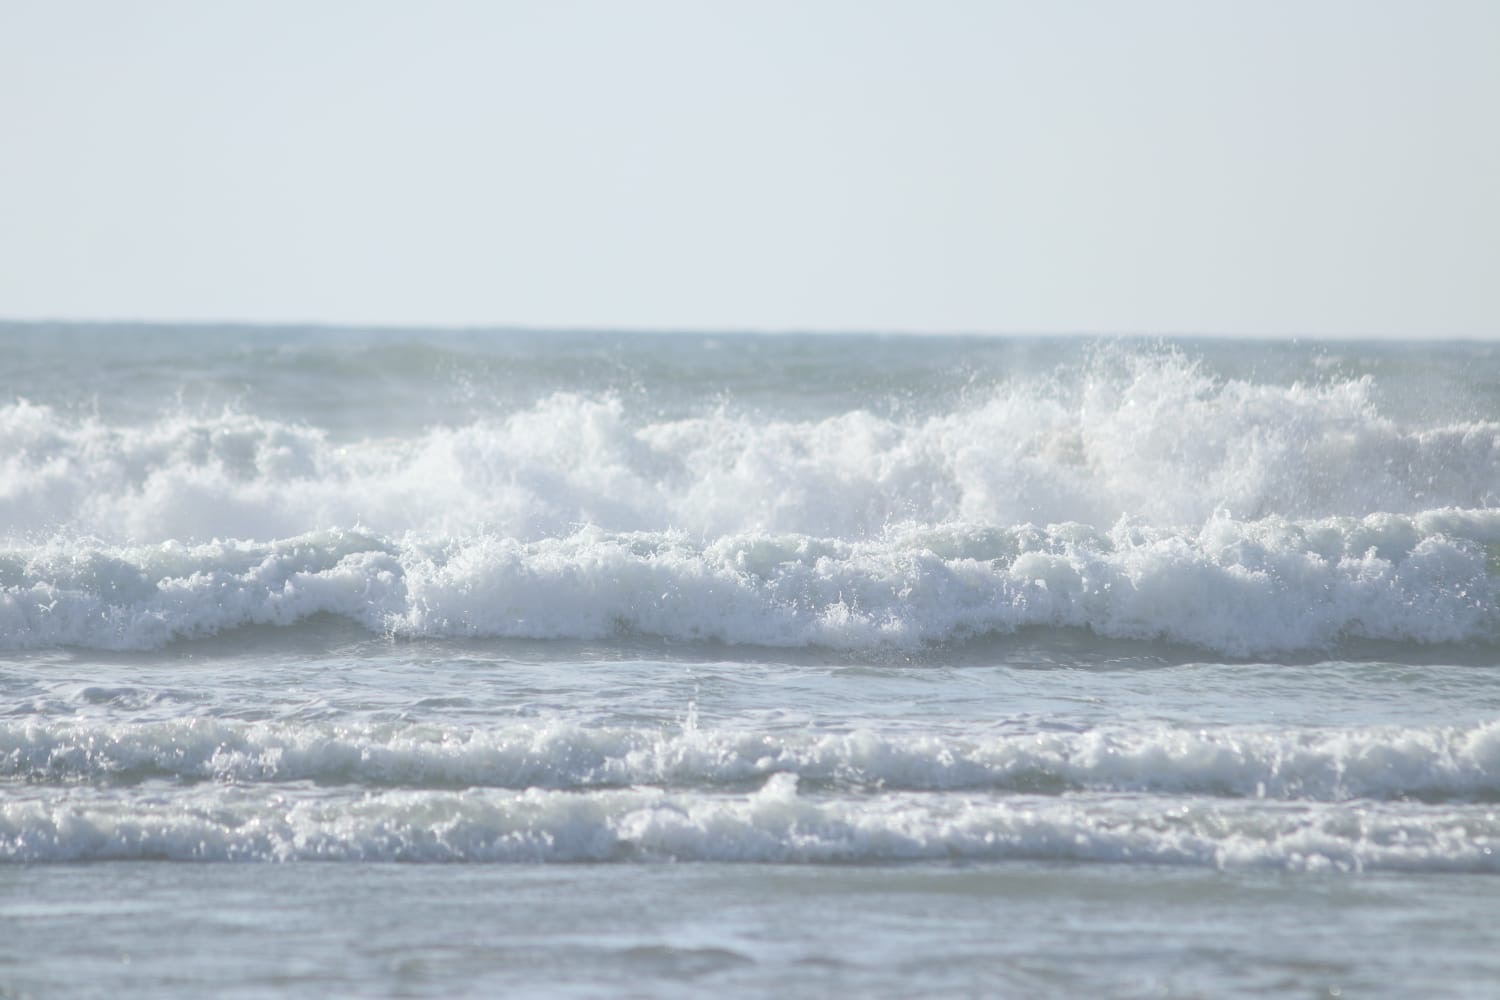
(1431, 764)
(777, 823)
(1236, 587)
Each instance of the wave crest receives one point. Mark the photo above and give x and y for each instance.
(1241, 588)
(1430, 764)
(1151, 436)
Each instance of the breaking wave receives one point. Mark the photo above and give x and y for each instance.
(774, 824)
(1137, 497)
(1429, 764)
(1241, 588)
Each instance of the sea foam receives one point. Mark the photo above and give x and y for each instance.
(1241, 588)
(1395, 763)
(774, 824)
(1150, 437)
(1137, 497)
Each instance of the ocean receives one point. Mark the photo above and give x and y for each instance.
(433, 663)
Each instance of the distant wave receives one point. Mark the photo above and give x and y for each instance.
(1149, 436)
(1137, 497)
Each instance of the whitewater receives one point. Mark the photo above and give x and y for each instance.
(587, 663)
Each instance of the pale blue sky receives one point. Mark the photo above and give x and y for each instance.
(1319, 168)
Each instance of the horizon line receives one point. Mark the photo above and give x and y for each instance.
(728, 331)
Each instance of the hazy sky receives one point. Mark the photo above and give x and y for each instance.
(1318, 168)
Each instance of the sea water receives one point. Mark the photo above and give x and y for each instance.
(405, 662)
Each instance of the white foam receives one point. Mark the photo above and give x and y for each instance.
(1332, 765)
(141, 597)
(1150, 436)
(774, 824)
(1138, 498)
(1242, 588)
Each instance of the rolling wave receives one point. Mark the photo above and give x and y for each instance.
(1379, 763)
(775, 824)
(1240, 588)
(1151, 437)
(1136, 497)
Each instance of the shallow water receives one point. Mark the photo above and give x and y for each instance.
(676, 930)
